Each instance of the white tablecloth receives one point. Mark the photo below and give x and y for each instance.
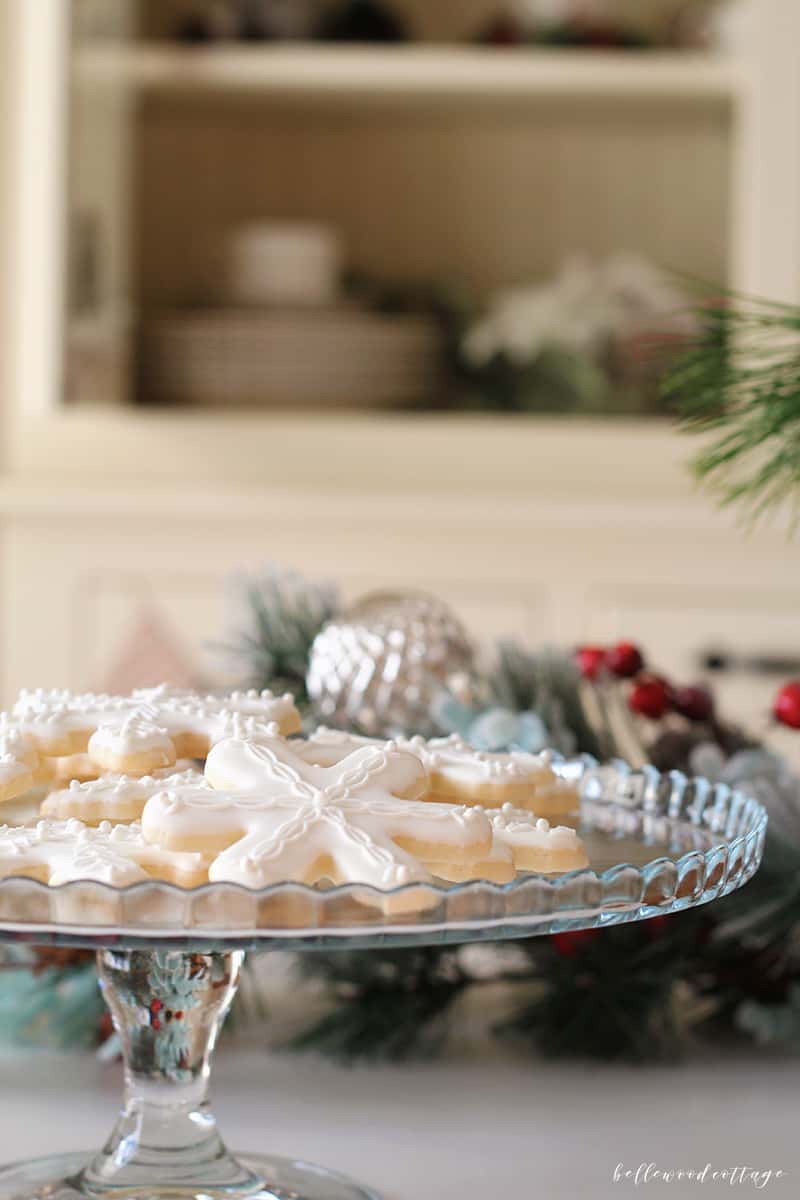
(457, 1130)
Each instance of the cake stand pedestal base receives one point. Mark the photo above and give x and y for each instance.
(59, 1178)
(168, 1007)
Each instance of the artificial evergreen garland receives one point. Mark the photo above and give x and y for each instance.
(633, 992)
(278, 616)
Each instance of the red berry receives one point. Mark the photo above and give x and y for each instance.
(786, 708)
(568, 945)
(156, 1006)
(694, 702)
(179, 1015)
(591, 661)
(624, 660)
(649, 697)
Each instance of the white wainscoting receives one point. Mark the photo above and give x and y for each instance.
(576, 545)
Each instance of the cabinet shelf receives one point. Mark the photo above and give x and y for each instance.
(347, 450)
(427, 73)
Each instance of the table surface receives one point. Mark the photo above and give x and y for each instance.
(480, 1128)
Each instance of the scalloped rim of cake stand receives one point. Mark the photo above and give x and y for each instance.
(715, 835)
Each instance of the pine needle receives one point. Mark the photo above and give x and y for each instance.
(740, 387)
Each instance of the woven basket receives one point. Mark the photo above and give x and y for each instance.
(335, 356)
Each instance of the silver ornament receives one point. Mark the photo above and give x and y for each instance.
(379, 666)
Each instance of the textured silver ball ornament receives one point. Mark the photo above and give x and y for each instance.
(378, 667)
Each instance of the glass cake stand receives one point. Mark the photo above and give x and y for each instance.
(169, 963)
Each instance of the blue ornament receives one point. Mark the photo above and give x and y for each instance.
(501, 729)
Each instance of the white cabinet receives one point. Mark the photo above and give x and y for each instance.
(545, 530)
(123, 519)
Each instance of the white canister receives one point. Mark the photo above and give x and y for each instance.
(284, 263)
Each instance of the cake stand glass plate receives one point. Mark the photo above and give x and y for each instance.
(169, 963)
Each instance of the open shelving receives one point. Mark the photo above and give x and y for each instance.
(455, 73)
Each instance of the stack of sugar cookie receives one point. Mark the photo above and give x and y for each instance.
(268, 808)
(460, 774)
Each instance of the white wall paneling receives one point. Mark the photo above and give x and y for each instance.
(83, 566)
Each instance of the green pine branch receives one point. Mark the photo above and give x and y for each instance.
(285, 614)
(388, 1004)
(739, 386)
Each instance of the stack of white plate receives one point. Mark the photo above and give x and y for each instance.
(286, 358)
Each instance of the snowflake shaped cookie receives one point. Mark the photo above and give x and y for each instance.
(272, 817)
(21, 766)
(461, 774)
(115, 798)
(59, 852)
(148, 730)
(521, 842)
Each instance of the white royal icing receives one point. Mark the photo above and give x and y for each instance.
(521, 839)
(111, 795)
(282, 816)
(455, 760)
(63, 851)
(135, 735)
(20, 763)
(66, 851)
(326, 747)
(450, 759)
(17, 744)
(450, 756)
(518, 830)
(149, 717)
(11, 769)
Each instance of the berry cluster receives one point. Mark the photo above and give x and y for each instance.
(653, 696)
(650, 694)
(786, 707)
(156, 1008)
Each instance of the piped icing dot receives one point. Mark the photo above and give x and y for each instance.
(173, 802)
